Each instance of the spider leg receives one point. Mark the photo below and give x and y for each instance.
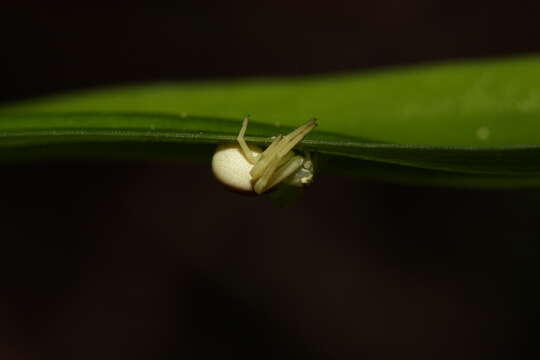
(292, 139)
(284, 171)
(242, 142)
(281, 146)
(265, 158)
(260, 184)
(277, 162)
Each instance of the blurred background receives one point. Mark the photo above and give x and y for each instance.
(154, 260)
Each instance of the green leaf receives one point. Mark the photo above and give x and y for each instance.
(472, 124)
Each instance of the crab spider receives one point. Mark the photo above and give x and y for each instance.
(247, 168)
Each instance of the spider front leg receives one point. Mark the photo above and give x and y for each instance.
(278, 161)
(280, 147)
(288, 167)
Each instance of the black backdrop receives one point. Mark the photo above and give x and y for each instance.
(142, 260)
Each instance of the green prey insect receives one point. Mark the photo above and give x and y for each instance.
(248, 168)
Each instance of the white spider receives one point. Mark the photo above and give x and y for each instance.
(247, 168)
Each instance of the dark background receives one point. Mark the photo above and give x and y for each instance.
(139, 260)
